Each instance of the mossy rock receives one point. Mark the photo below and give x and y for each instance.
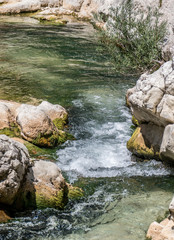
(50, 19)
(39, 153)
(135, 121)
(45, 140)
(50, 141)
(75, 193)
(59, 123)
(57, 201)
(64, 136)
(40, 196)
(137, 146)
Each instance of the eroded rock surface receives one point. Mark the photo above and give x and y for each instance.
(161, 231)
(152, 102)
(14, 162)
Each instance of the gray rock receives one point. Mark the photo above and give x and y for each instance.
(167, 145)
(152, 96)
(14, 162)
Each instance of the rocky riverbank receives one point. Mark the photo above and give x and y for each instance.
(29, 183)
(51, 10)
(152, 105)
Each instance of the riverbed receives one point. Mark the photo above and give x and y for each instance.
(61, 64)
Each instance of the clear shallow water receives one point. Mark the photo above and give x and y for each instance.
(61, 65)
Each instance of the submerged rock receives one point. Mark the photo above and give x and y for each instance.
(50, 19)
(39, 125)
(152, 104)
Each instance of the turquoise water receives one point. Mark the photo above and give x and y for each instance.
(61, 65)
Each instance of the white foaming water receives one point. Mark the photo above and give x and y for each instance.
(102, 133)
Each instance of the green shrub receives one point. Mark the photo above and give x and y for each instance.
(133, 38)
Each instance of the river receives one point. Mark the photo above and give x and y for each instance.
(123, 195)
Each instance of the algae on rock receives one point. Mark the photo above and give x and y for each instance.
(137, 146)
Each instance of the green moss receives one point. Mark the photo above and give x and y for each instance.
(59, 123)
(38, 152)
(52, 20)
(13, 131)
(64, 136)
(50, 140)
(75, 193)
(137, 146)
(57, 201)
(135, 121)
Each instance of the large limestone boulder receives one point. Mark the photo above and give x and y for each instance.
(150, 100)
(152, 104)
(41, 125)
(14, 162)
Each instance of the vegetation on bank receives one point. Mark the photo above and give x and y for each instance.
(132, 38)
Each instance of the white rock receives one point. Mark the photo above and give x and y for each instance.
(167, 145)
(53, 110)
(33, 121)
(14, 162)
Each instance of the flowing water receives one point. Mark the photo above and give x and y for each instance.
(122, 196)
